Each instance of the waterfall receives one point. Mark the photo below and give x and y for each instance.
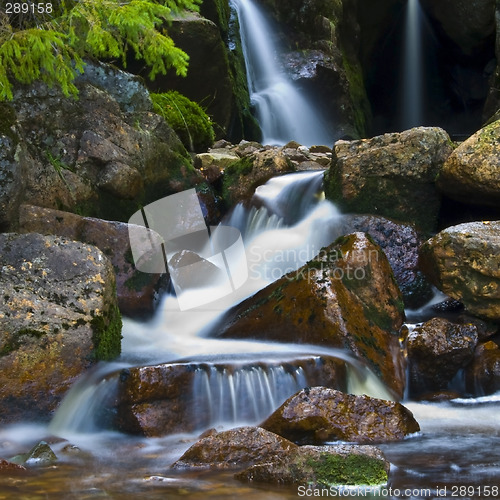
(282, 112)
(413, 67)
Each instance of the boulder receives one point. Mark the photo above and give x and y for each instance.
(101, 155)
(392, 175)
(482, 376)
(185, 397)
(136, 291)
(346, 297)
(234, 449)
(471, 25)
(208, 80)
(318, 467)
(272, 459)
(471, 174)
(400, 243)
(242, 176)
(7, 467)
(464, 262)
(437, 350)
(58, 316)
(319, 414)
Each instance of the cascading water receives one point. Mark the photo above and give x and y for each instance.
(283, 113)
(413, 68)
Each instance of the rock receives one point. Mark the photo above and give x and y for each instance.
(101, 155)
(244, 175)
(320, 414)
(464, 262)
(482, 376)
(7, 467)
(391, 175)
(437, 350)
(40, 454)
(345, 298)
(470, 25)
(400, 243)
(136, 291)
(235, 448)
(472, 172)
(321, 467)
(208, 80)
(58, 316)
(187, 397)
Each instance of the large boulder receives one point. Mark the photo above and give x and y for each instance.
(400, 243)
(392, 175)
(320, 414)
(346, 297)
(437, 350)
(272, 459)
(471, 174)
(58, 316)
(103, 154)
(185, 397)
(464, 262)
(136, 291)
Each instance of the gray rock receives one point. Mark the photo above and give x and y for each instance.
(58, 316)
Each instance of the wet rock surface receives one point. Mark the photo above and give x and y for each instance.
(320, 414)
(437, 350)
(160, 399)
(482, 376)
(463, 261)
(136, 291)
(391, 175)
(471, 174)
(347, 297)
(269, 458)
(58, 316)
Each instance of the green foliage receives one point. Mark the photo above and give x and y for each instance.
(187, 118)
(51, 48)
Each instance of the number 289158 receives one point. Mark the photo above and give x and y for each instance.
(28, 8)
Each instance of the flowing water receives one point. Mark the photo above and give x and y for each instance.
(413, 67)
(283, 113)
(240, 382)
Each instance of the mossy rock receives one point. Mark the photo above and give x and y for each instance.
(187, 118)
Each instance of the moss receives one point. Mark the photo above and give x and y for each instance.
(7, 119)
(138, 281)
(106, 335)
(187, 118)
(335, 470)
(233, 173)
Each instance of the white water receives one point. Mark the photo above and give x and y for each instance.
(282, 111)
(413, 67)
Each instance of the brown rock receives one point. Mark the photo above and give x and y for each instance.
(482, 376)
(471, 174)
(346, 298)
(464, 262)
(436, 351)
(320, 414)
(235, 448)
(391, 175)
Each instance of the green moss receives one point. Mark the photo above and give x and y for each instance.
(187, 118)
(106, 335)
(232, 175)
(7, 119)
(335, 470)
(138, 281)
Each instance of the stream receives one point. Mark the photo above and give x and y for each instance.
(458, 445)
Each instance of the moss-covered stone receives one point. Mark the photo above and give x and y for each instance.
(107, 335)
(187, 118)
(335, 470)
